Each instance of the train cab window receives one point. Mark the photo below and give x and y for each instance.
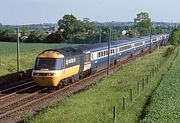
(45, 64)
(59, 64)
(49, 64)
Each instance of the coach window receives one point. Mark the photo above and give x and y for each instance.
(104, 53)
(98, 54)
(120, 48)
(101, 54)
(147, 41)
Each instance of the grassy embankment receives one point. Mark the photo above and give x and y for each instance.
(165, 102)
(28, 53)
(95, 105)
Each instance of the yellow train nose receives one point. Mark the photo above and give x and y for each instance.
(46, 81)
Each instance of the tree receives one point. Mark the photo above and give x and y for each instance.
(8, 35)
(25, 33)
(89, 27)
(70, 26)
(175, 37)
(160, 30)
(56, 37)
(37, 36)
(1, 29)
(143, 23)
(132, 33)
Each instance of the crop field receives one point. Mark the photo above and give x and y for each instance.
(165, 102)
(28, 53)
(96, 104)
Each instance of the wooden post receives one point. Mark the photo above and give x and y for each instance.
(147, 79)
(109, 49)
(114, 114)
(124, 104)
(138, 88)
(131, 95)
(153, 72)
(143, 85)
(18, 52)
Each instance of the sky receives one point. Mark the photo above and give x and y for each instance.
(20, 12)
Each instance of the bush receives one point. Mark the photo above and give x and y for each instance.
(169, 51)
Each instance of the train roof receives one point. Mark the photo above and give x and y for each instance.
(96, 47)
(77, 50)
(67, 51)
(100, 46)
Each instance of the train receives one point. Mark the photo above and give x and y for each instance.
(59, 67)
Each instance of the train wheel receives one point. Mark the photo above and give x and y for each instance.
(89, 72)
(115, 62)
(60, 85)
(131, 55)
(65, 82)
(81, 76)
(142, 51)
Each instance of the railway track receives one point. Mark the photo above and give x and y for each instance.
(28, 100)
(15, 103)
(16, 85)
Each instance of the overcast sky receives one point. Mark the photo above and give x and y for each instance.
(50, 11)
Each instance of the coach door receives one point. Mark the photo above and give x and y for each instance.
(81, 62)
(87, 61)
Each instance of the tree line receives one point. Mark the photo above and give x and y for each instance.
(73, 30)
(175, 37)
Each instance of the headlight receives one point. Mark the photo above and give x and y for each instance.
(51, 74)
(44, 74)
(35, 74)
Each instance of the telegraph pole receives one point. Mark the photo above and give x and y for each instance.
(18, 56)
(109, 44)
(150, 47)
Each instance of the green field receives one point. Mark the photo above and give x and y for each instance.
(28, 53)
(95, 104)
(165, 102)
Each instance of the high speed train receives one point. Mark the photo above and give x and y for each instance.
(58, 67)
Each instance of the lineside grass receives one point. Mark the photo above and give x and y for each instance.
(28, 53)
(95, 104)
(165, 102)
